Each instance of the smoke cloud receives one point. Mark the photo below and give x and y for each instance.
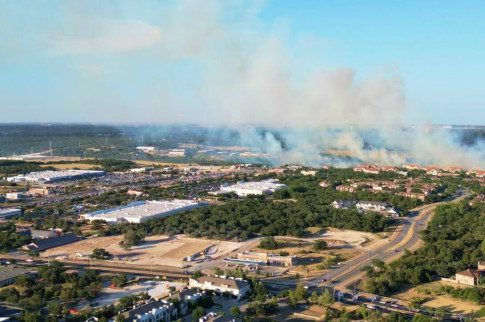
(215, 63)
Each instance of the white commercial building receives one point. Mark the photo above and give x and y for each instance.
(244, 189)
(16, 196)
(141, 211)
(236, 287)
(7, 213)
(53, 176)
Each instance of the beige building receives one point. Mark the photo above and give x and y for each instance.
(468, 277)
(41, 191)
(345, 188)
(266, 258)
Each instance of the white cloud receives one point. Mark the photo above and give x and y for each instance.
(103, 37)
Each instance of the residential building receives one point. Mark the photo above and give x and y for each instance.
(471, 276)
(48, 243)
(9, 273)
(380, 207)
(133, 192)
(324, 184)
(414, 195)
(154, 311)
(345, 188)
(308, 172)
(343, 204)
(7, 213)
(236, 287)
(372, 169)
(468, 277)
(371, 205)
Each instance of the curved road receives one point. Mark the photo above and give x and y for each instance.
(407, 238)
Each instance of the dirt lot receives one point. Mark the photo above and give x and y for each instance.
(351, 237)
(438, 301)
(156, 250)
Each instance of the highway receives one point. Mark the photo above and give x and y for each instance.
(340, 277)
(407, 237)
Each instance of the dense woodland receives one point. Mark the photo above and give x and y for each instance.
(290, 211)
(454, 240)
(14, 167)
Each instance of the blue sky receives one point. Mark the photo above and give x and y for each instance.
(163, 61)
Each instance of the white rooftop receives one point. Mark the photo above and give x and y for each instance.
(140, 211)
(52, 175)
(253, 187)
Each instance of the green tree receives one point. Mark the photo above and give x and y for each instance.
(235, 311)
(319, 245)
(326, 299)
(119, 280)
(268, 242)
(197, 313)
(100, 253)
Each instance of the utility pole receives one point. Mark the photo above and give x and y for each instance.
(50, 147)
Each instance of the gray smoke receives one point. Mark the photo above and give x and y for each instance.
(230, 69)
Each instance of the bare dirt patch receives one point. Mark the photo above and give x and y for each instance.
(430, 290)
(156, 250)
(352, 237)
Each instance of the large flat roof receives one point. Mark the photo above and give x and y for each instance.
(53, 175)
(255, 185)
(141, 209)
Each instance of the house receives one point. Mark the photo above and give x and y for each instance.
(308, 172)
(42, 234)
(381, 207)
(185, 298)
(236, 287)
(133, 192)
(371, 205)
(9, 273)
(471, 276)
(468, 276)
(324, 184)
(343, 204)
(345, 188)
(372, 169)
(48, 243)
(154, 311)
(414, 195)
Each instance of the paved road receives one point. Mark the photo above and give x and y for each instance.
(407, 238)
